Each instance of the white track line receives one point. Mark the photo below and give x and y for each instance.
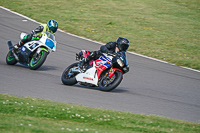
(94, 41)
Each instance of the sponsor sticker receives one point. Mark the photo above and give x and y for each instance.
(23, 48)
(88, 78)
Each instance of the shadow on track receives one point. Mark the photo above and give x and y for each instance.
(42, 68)
(117, 90)
(47, 68)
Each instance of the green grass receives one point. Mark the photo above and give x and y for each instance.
(25, 115)
(163, 29)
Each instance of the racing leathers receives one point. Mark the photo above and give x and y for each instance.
(110, 47)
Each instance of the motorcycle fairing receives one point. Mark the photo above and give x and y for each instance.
(90, 76)
(49, 40)
(104, 58)
(32, 45)
(99, 67)
(102, 63)
(50, 43)
(24, 55)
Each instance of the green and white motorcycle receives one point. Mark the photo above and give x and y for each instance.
(33, 53)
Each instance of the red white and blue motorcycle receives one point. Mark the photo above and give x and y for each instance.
(106, 72)
(33, 53)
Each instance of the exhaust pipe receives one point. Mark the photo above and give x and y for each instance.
(10, 45)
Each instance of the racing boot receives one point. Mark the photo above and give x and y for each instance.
(18, 45)
(86, 60)
(83, 63)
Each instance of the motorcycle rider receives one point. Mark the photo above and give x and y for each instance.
(51, 26)
(121, 44)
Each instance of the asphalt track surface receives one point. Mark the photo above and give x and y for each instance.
(150, 87)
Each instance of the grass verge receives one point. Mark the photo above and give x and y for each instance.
(163, 29)
(25, 115)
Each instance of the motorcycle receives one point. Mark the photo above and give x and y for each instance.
(33, 53)
(106, 72)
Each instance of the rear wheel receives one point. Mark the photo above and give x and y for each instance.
(68, 77)
(108, 84)
(10, 59)
(37, 60)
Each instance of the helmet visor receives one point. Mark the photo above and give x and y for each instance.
(123, 47)
(53, 29)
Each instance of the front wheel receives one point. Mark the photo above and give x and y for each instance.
(37, 60)
(10, 59)
(68, 77)
(108, 84)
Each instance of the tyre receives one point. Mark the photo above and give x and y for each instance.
(10, 59)
(68, 78)
(37, 60)
(108, 84)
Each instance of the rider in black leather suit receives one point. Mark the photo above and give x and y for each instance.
(121, 44)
